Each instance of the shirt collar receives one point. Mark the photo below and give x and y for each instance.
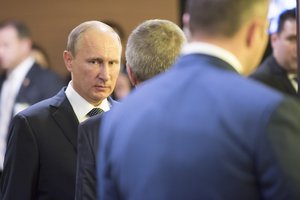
(80, 106)
(292, 75)
(22, 68)
(294, 80)
(213, 50)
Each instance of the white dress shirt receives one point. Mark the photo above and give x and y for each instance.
(213, 50)
(292, 78)
(80, 106)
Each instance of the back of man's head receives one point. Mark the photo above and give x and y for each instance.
(153, 47)
(220, 17)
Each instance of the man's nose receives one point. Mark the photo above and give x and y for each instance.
(104, 72)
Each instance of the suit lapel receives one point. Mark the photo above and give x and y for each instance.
(63, 114)
(2, 78)
(27, 82)
(281, 75)
(112, 102)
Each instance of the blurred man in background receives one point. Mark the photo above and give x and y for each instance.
(24, 82)
(279, 70)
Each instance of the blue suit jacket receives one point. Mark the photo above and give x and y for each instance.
(201, 131)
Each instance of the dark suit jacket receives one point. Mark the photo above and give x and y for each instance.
(201, 131)
(40, 161)
(39, 84)
(88, 140)
(271, 74)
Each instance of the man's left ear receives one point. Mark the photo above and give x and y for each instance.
(257, 30)
(251, 34)
(131, 75)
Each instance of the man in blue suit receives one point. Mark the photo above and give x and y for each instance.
(201, 130)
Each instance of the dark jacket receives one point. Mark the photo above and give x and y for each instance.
(274, 76)
(40, 162)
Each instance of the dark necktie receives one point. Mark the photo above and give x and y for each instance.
(94, 111)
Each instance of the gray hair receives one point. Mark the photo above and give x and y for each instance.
(153, 47)
(76, 33)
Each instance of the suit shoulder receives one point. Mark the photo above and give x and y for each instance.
(263, 70)
(44, 74)
(290, 105)
(38, 108)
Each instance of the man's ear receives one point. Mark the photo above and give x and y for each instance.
(131, 75)
(274, 38)
(251, 34)
(257, 30)
(68, 58)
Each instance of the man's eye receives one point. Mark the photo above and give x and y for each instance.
(95, 62)
(292, 39)
(112, 62)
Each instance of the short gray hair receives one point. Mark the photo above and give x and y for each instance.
(153, 47)
(76, 33)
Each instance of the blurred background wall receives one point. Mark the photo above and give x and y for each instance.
(50, 21)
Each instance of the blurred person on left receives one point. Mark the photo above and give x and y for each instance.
(23, 82)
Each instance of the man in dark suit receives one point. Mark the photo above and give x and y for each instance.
(24, 82)
(279, 70)
(144, 61)
(201, 130)
(40, 161)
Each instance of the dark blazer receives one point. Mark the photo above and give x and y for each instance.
(40, 161)
(201, 131)
(88, 142)
(271, 74)
(39, 84)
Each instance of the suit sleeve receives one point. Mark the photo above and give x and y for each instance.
(284, 134)
(86, 166)
(19, 179)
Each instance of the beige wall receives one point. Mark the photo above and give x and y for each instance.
(51, 20)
